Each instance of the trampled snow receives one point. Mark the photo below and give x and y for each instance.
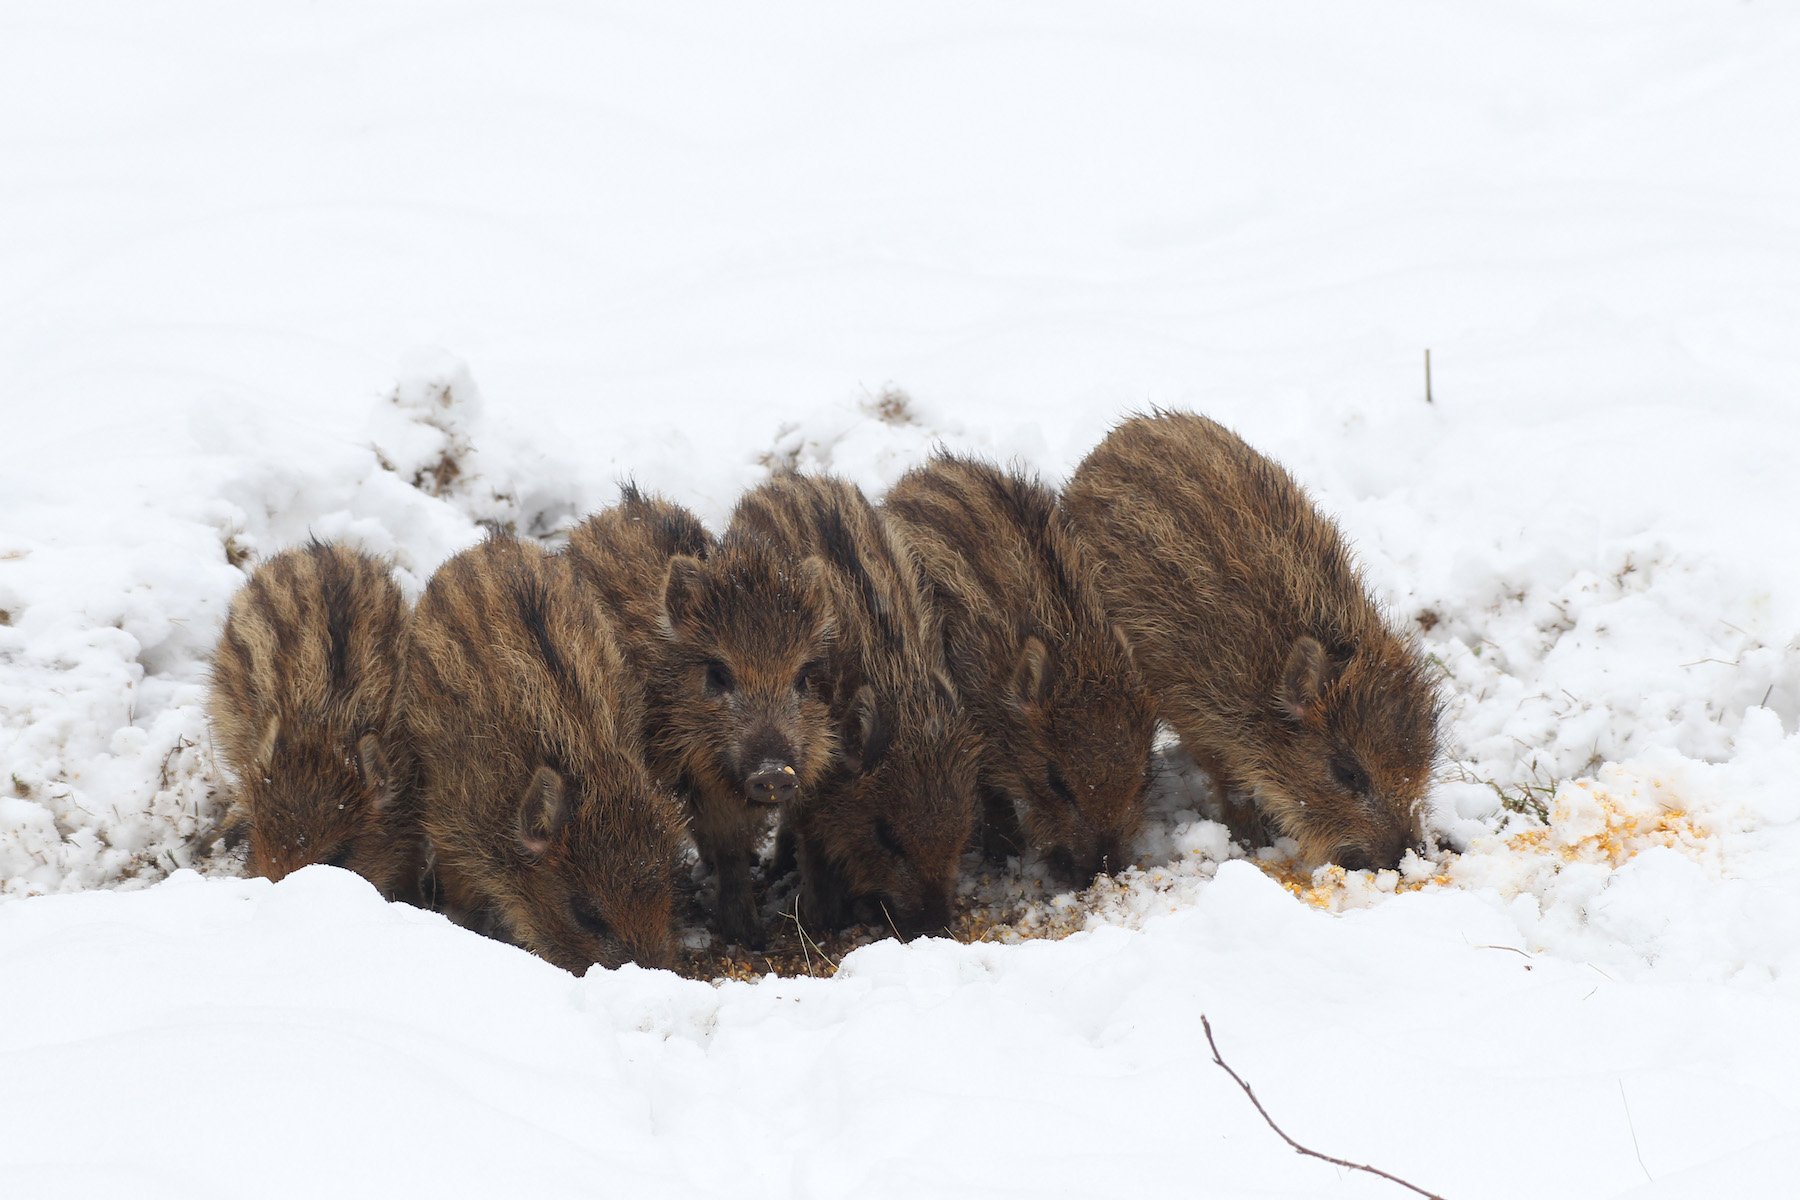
(396, 273)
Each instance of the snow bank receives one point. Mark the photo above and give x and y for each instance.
(416, 1055)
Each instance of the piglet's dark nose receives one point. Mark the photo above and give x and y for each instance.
(773, 782)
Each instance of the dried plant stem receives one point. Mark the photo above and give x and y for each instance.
(1632, 1125)
(1298, 1148)
(890, 921)
(807, 944)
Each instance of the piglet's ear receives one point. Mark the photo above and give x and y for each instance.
(540, 811)
(265, 749)
(1031, 676)
(1118, 632)
(813, 572)
(866, 732)
(373, 761)
(1303, 678)
(945, 690)
(681, 592)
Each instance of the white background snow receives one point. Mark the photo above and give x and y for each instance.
(247, 250)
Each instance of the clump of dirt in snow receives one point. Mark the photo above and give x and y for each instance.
(432, 431)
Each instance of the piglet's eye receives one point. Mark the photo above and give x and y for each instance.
(718, 678)
(804, 679)
(884, 833)
(587, 916)
(1059, 785)
(1347, 775)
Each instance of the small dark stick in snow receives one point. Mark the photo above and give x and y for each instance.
(1428, 376)
(1239, 1080)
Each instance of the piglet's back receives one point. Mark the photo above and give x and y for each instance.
(313, 637)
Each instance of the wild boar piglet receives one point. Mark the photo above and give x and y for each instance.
(302, 705)
(545, 823)
(731, 641)
(1257, 636)
(881, 838)
(1066, 724)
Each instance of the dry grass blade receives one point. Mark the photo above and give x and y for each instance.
(807, 944)
(1207, 1025)
(890, 921)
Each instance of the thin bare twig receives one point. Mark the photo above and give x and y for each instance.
(1514, 949)
(1632, 1125)
(1298, 1148)
(890, 920)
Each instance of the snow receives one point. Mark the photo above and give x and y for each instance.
(270, 268)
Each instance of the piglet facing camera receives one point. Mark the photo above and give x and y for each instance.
(731, 640)
(881, 839)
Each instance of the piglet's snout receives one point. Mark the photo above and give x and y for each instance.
(773, 782)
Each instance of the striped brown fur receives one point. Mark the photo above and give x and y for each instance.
(882, 837)
(1253, 628)
(1066, 723)
(302, 704)
(731, 642)
(541, 813)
